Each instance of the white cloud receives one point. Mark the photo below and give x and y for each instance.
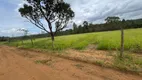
(96, 10)
(11, 32)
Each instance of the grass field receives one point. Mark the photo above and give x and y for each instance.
(102, 40)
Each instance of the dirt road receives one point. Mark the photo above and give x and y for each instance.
(16, 64)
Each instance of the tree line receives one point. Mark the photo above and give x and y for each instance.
(87, 27)
(2, 38)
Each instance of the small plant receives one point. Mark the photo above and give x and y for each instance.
(101, 63)
(41, 61)
(80, 66)
(47, 62)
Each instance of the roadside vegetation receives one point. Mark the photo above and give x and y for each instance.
(129, 63)
(109, 40)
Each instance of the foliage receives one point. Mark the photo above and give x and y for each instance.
(112, 19)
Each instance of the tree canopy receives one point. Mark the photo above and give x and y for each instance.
(112, 19)
(55, 12)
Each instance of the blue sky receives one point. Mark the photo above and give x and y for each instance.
(94, 11)
(11, 21)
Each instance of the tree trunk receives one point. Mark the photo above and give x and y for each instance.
(52, 37)
(9, 40)
(122, 43)
(52, 34)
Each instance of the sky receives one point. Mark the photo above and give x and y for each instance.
(94, 11)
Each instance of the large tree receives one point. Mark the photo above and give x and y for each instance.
(55, 12)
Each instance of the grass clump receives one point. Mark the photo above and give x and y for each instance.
(47, 62)
(129, 62)
(100, 63)
(41, 61)
(80, 66)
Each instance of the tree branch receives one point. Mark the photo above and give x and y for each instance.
(61, 27)
(36, 24)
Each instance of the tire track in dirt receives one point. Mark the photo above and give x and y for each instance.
(16, 64)
(15, 67)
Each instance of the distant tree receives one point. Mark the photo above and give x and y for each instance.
(80, 29)
(74, 27)
(90, 27)
(25, 31)
(52, 11)
(85, 25)
(112, 19)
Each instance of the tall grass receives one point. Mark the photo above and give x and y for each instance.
(103, 40)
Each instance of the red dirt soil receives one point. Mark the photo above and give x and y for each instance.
(16, 64)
